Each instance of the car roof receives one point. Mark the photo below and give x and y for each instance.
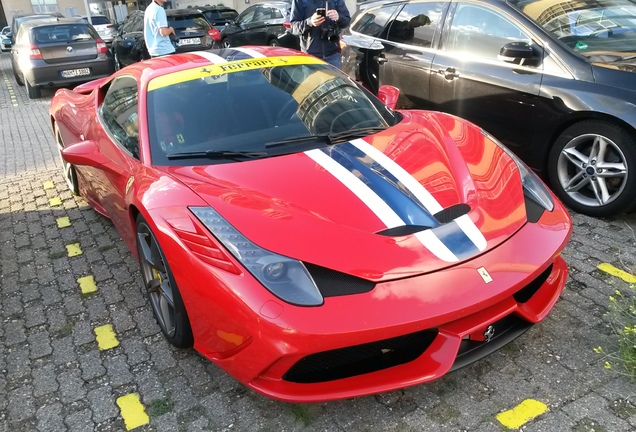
(48, 21)
(219, 8)
(182, 12)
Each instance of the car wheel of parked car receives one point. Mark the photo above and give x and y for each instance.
(592, 168)
(226, 43)
(161, 288)
(70, 175)
(33, 91)
(116, 60)
(17, 77)
(274, 42)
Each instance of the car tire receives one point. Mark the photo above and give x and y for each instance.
(592, 168)
(161, 288)
(226, 43)
(33, 92)
(116, 60)
(18, 80)
(69, 172)
(274, 42)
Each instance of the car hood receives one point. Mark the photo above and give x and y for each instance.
(337, 207)
(619, 73)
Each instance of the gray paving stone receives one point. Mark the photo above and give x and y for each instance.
(91, 365)
(44, 381)
(595, 408)
(135, 350)
(118, 370)
(50, 418)
(72, 386)
(102, 403)
(18, 365)
(80, 421)
(21, 404)
(40, 344)
(64, 351)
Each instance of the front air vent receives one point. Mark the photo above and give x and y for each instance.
(451, 213)
(403, 230)
(332, 283)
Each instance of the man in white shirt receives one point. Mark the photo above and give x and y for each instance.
(156, 30)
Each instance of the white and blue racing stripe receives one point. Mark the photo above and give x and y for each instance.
(214, 58)
(398, 199)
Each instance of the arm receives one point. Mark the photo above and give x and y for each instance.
(165, 31)
(340, 14)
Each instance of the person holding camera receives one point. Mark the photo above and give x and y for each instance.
(319, 23)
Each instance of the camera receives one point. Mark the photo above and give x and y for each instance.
(329, 30)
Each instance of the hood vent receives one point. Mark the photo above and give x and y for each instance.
(451, 213)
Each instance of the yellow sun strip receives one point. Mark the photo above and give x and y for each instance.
(610, 269)
(55, 201)
(73, 249)
(87, 284)
(48, 184)
(106, 338)
(132, 411)
(63, 222)
(229, 67)
(522, 413)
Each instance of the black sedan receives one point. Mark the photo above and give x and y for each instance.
(261, 24)
(554, 81)
(193, 33)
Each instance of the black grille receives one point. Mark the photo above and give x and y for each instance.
(526, 293)
(534, 211)
(332, 283)
(451, 213)
(360, 359)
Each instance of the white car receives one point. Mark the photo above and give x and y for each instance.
(104, 27)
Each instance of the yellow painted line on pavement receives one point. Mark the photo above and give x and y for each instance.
(106, 338)
(14, 100)
(132, 411)
(73, 249)
(63, 222)
(522, 413)
(48, 184)
(55, 201)
(87, 284)
(610, 269)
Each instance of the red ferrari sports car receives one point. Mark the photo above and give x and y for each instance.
(307, 238)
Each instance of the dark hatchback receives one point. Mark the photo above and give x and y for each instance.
(193, 33)
(57, 53)
(555, 81)
(261, 24)
(218, 16)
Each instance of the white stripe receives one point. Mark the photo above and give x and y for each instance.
(435, 245)
(250, 52)
(210, 56)
(472, 232)
(401, 174)
(361, 190)
(377, 205)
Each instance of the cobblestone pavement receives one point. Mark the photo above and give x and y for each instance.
(55, 377)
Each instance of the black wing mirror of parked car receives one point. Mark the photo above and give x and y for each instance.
(516, 52)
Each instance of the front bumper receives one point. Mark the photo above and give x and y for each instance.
(402, 333)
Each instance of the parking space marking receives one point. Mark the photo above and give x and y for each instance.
(132, 411)
(63, 222)
(610, 269)
(48, 184)
(14, 99)
(56, 201)
(87, 284)
(73, 249)
(106, 337)
(522, 413)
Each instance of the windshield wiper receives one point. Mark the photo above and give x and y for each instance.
(217, 154)
(355, 133)
(300, 139)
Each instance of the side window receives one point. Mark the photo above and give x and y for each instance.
(138, 23)
(482, 32)
(261, 14)
(277, 13)
(247, 16)
(119, 113)
(127, 25)
(416, 24)
(373, 23)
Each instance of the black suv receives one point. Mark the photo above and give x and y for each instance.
(217, 16)
(193, 33)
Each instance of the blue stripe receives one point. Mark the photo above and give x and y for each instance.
(230, 54)
(383, 183)
(456, 240)
(399, 198)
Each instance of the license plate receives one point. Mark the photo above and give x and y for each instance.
(190, 41)
(75, 72)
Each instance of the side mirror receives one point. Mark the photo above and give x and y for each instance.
(87, 153)
(516, 52)
(389, 95)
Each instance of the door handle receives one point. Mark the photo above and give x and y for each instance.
(381, 59)
(450, 73)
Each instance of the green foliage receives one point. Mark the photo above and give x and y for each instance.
(622, 317)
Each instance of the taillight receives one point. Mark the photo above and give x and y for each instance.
(287, 25)
(110, 26)
(34, 52)
(101, 47)
(215, 34)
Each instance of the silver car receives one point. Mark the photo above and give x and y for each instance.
(58, 53)
(104, 27)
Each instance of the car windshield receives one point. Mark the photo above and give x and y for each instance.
(257, 108)
(589, 27)
(62, 33)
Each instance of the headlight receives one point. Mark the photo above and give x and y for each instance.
(284, 277)
(533, 187)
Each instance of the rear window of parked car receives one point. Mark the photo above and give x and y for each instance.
(62, 33)
(213, 15)
(185, 21)
(97, 20)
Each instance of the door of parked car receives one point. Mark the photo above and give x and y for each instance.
(129, 46)
(260, 24)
